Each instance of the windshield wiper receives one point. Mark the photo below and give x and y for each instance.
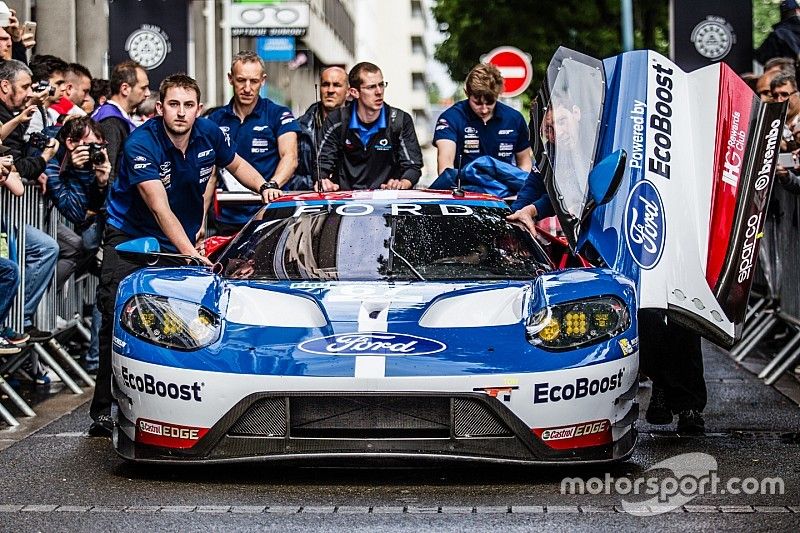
(404, 260)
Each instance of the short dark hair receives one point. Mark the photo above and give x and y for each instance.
(100, 88)
(79, 70)
(782, 79)
(43, 66)
(177, 80)
(124, 72)
(354, 77)
(74, 129)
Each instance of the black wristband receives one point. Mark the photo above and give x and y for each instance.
(271, 184)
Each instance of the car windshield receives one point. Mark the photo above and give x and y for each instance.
(362, 241)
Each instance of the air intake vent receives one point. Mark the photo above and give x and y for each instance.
(370, 417)
(472, 419)
(265, 418)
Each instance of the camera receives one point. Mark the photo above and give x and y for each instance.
(38, 140)
(96, 155)
(41, 85)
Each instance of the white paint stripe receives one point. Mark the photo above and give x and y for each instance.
(384, 194)
(372, 366)
(512, 72)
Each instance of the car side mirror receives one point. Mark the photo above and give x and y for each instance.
(145, 245)
(605, 177)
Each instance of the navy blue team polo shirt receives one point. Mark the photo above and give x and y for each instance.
(256, 140)
(505, 134)
(150, 155)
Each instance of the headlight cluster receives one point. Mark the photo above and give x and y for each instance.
(577, 323)
(170, 322)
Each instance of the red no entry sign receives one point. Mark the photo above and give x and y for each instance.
(515, 66)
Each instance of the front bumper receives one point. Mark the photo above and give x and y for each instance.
(439, 426)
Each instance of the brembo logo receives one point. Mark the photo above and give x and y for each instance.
(644, 225)
(372, 344)
(148, 384)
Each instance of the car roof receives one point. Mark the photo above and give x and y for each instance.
(377, 195)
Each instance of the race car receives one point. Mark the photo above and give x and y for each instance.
(386, 324)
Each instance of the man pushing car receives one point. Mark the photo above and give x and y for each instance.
(161, 192)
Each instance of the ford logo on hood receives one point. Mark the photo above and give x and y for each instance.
(645, 227)
(371, 343)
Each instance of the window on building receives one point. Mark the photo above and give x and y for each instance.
(418, 81)
(417, 46)
(416, 9)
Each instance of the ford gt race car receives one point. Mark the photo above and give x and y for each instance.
(423, 324)
(384, 324)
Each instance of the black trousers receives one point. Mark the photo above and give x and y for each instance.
(114, 270)
(672, 357)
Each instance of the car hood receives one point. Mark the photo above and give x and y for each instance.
(319, 327)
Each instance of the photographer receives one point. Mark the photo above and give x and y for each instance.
(77, 178)
(49, 86)
(15, 97)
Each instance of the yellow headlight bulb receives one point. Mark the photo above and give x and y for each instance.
(576, 323)
(551, 331)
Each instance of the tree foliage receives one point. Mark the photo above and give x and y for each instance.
(539, 27)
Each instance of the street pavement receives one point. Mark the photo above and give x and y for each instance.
(58, 479)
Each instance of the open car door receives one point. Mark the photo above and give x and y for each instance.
(687, 216)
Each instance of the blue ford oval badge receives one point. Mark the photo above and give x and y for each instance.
(372, 343)
(645, 227)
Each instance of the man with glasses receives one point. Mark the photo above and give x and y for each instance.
(368, 144)
(784, 89)
(480, 125)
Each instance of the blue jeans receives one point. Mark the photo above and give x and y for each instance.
(9, 281)
(41, 255)
(93, 353)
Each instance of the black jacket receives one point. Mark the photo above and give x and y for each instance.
(311, 130)
(29, 167)
(783, 41)
(393, 152)
(116, 132)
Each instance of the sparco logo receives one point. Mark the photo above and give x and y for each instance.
(644, 225)
(372, 344)
(748, 249)
(148, 384)
(583, 387)
(766, 164)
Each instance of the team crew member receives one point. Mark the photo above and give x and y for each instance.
(480, 125)
(333, 88)
(161, 192)
(368, 144)
(265, 134)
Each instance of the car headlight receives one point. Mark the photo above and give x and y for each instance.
(170, 322)
(577, 323)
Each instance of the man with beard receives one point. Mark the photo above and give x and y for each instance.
(161, 191)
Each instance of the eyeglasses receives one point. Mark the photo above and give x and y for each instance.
(766, 93)
(374, 87)
(782, 95)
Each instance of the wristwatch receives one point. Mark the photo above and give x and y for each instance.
(271, 184)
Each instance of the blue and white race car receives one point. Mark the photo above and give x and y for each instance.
(381, 324)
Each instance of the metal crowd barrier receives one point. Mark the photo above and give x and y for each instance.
(779, 303)
(15, 213)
